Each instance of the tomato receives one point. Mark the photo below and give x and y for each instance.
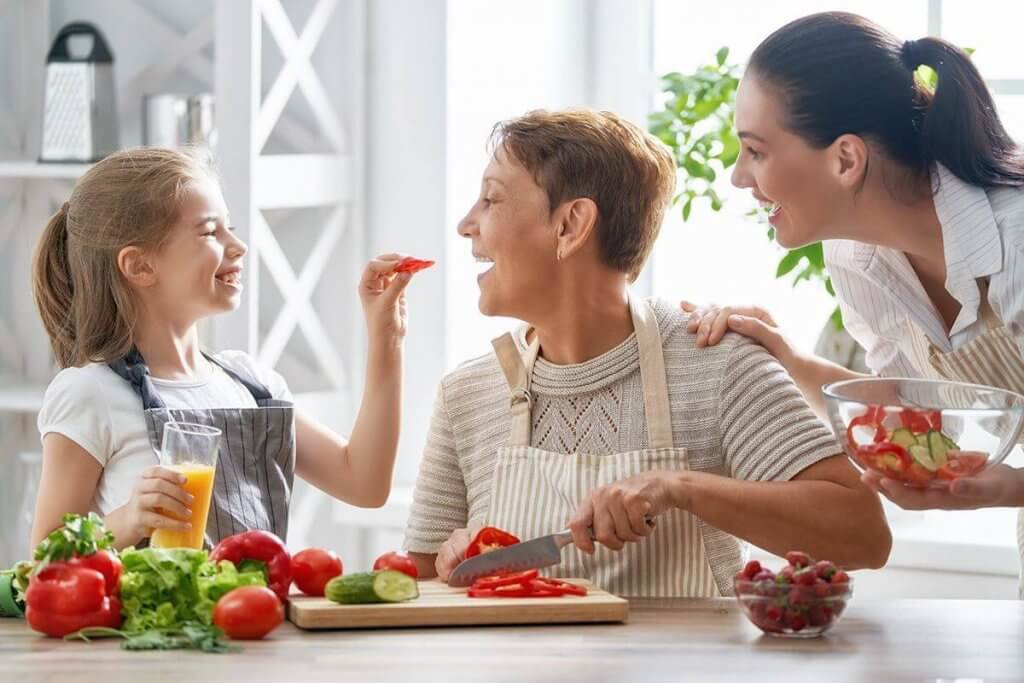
(400, 562)
(248, 613)
(962, 464)
(312, 568)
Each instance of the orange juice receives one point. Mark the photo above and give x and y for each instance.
(200, 485)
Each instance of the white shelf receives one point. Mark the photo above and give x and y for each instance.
(36, 169)
(24, 398)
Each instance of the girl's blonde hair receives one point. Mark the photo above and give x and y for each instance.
(130, 198)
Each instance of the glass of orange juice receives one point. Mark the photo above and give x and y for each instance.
(192, 450)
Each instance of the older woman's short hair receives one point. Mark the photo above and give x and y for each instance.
(628, 173)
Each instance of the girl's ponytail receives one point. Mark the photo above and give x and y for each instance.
(961, 129)
(53, 287)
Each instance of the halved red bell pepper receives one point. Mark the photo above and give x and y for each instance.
(489, 538)
(260, 546)
(63, 598)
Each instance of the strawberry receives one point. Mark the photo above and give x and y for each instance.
(822, 588)
(795, 620)
(825, 569)
(785, 575)
(751, 568)
(806, 576)
(840, 577)
(798, 559)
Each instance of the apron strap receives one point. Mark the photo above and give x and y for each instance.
(652, 375)
(134, 370)
(517, 371)
(258, 390)
(517, 374)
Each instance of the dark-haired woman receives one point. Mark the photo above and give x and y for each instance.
(919, 198)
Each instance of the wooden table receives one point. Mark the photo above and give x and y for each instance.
(676, 640)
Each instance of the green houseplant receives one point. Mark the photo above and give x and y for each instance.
(697, 124)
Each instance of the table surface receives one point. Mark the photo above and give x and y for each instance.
(907, 640)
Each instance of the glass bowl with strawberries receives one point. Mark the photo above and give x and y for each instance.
(925, 433)
(802, 600)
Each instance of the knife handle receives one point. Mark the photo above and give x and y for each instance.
(564, 538)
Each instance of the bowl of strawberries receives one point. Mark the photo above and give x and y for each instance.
(804, 599)
(924, 433)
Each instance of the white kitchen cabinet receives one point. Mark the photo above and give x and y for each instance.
(289, 78)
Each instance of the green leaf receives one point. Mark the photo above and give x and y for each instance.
(837, 318)
(829, 288)
(77, 536)
(722, 55)
(687, 208)
(790, 261)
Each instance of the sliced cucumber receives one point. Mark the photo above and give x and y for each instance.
(369, 587)
(950, 444)
(937, 448)
(922, 439)
(903, 437)
(922, 457)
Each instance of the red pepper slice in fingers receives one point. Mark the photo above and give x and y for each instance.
(412, 265)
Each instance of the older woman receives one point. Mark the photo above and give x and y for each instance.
(601, 412)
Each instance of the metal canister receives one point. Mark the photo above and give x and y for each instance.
(201, 124)
(164, 121)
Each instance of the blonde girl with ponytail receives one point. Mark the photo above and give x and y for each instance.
(142, 251)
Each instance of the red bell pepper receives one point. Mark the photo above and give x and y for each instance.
(873, 418)
(886, 457)
(63, 598)
(84, 541)
(259, 546)
(412, 265)
(489, 538)
(921, 421)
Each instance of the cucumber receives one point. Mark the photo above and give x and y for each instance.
(368, 587)
(950, 444)
(922, 457)
(903, 437)
(922, 439)
(937, 448)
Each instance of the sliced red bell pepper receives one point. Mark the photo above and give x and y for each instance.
(260, 546)
(505, 579)
(489, 538)
(917, 474)
(888, 458)
(63, 598)
(412, 265)
(872, 418)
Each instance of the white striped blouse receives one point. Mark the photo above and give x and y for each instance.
(880, 294)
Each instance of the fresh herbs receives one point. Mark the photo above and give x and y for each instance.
(79, 536)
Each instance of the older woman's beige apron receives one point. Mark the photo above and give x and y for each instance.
(992, 359)
(535, 492)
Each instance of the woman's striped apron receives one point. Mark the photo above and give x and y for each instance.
(535, 492)
(992, 359)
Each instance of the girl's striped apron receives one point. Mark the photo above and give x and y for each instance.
(992, 359)
(256, 462)
(534, 492)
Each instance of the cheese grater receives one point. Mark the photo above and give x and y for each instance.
(80, 112)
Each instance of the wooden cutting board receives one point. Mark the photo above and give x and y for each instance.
(439, 605)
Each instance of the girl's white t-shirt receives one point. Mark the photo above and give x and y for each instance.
(103, 414)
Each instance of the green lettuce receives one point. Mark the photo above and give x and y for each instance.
(165, 589)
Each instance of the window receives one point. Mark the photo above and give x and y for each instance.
(726, 258)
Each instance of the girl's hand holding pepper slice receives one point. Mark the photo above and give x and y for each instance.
(412, 265)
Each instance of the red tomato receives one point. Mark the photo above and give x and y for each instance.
(248, 613)
(312, 568)
(400, 562)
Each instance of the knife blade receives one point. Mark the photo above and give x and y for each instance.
(537, 553)
(540, 552)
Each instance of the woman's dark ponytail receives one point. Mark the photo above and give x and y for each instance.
(837, 73)
(961, 129)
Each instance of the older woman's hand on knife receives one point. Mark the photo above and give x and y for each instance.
(618, 513)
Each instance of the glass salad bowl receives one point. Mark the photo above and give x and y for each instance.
(924, 433)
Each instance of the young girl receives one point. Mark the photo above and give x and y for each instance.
(141, 252)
